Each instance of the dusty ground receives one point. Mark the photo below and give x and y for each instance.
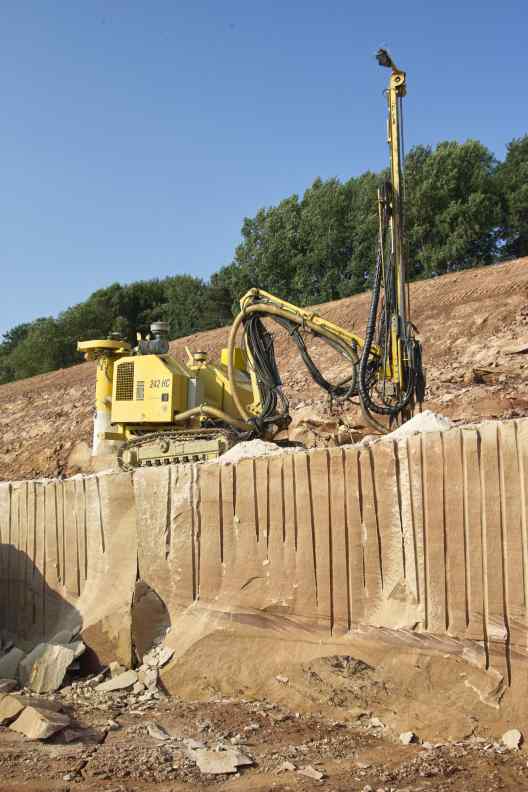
(111, 749)
(467, 321)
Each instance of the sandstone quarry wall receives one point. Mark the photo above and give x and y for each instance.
(68, 558)
(421, 537)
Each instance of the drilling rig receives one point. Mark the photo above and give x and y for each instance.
(157, 410)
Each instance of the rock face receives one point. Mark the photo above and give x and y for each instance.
(37, 723)
(44, 669)
(150, 619)
(386, 538)
(9, 663)
(82, 538)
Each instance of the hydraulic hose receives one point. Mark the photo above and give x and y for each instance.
(367, 366)
(212, 412)
(291, 322)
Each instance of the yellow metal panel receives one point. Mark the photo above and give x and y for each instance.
(239, 358)
(147, 389)
(217, 391)
(105, 344)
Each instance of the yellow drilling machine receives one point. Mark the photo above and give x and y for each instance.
(156, 410)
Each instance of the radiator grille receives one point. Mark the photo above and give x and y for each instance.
(125, 382)
(140, 390)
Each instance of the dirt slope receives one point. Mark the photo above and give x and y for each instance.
(471, 323)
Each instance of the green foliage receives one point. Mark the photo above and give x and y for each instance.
(512, 175)
(190, 306)
(12, 338)
(453, 207)
(463, 209)
(41, 349)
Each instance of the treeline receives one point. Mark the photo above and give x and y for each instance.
(463, 209)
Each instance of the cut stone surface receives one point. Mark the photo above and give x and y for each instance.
(512, 739)
(37, 723)
(63, 637)
(12, 705)
(216, 762)
(120, 682)
(10, 708)
(43, 670)
(9, 663)
(78, 648)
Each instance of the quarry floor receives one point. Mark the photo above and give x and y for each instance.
(127, 759)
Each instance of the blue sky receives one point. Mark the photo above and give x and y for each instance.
(135, 136)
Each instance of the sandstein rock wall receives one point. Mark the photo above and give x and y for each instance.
(68, 557)
(423, 539)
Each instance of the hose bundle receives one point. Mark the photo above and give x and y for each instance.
(259, 343)
(378, 392)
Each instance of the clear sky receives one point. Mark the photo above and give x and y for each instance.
(135, 136)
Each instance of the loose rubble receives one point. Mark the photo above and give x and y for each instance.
(249, 449)
(143, 739)
(425, 421)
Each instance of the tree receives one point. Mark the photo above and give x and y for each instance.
(185, 305)
(42, 349)
(453, 207)
(268, 256)
(512, 176)
(364, 239)
(324, 242)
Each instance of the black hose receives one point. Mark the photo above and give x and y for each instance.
(369, 366)
(260, 345)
